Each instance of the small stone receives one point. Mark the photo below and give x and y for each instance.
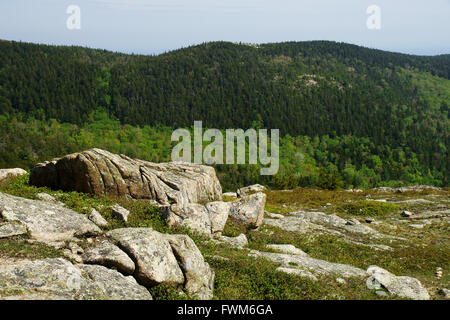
(120, 212)
(370, 220)
(417, 226)
(341, 281)
(381, 293)
(97, 218)
(75, 248)
(406, 213)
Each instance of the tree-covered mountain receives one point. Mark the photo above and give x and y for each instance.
(359, 102)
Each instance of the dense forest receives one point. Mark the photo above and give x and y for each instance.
(349, 116)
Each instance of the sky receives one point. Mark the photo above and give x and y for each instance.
(156, 26)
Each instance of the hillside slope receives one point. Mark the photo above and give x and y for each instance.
(311, 89)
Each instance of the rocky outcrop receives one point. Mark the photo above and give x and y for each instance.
(315, 266)
(11, 229)
(100, 172)
(199, 276)
(404, 287)
(46, 221)
(109, 255)
(210, 219)
(161, 258)
(249, 209)
(152, 254)
(11, 173)
(58, 279)
(246, 191)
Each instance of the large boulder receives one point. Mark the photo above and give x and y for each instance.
(198, 274)
(109, 255)
(249, 209)
(46, 221)
(209, 219)
(163, 258)
(404, 287)
(152, 254)
(58, 279)
(11, 173)
(100, 172)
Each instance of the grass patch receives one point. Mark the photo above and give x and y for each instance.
(18, 247)
(368, 208)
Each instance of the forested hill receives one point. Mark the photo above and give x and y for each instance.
(302, 88)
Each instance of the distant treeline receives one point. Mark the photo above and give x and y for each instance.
(352, 102)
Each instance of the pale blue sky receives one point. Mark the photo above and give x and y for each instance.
(155, 26)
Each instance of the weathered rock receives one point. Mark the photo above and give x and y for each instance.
(218, 214)
(206, 219)
(120, 212)
(298, 272)
(97, 218)
(249, 209)
(11, 229)
(245, 191)
(152, 254)
(100, 172)
(308, 221)
(199, 276)
(75, 248)
(286, 248)
(6, 173)
(109, 255)
(72, 256)
(316, 266)
(404, 287)
(237, 242)
(45, 221)
(60, 279)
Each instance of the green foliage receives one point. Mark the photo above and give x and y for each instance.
(368, 208)
(349, 116)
